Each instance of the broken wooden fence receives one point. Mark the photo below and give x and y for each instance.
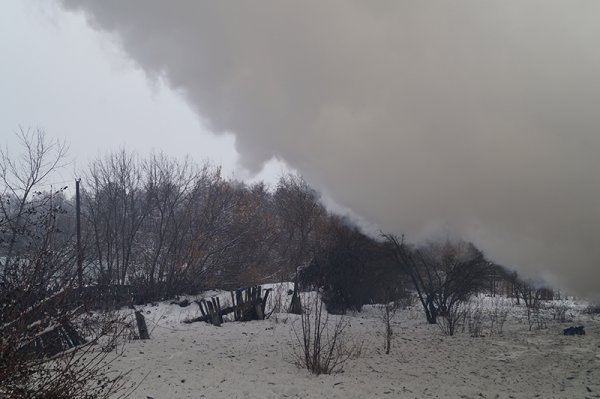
(246, 304)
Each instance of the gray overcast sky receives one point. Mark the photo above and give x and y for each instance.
(75, 83)
(468, 117)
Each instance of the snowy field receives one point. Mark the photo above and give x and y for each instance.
(253, 359)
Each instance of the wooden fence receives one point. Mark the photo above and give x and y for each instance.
(246, 304)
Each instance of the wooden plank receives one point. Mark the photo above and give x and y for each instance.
(214, 315)
(264, 301)
(259, 312)
(207, 318)
(141, 325)
(209, 307)
(201, 307)
(74, 337)
(217, 304)
(240, 304)
(233, 304)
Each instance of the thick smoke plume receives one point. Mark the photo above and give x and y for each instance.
(474, 117)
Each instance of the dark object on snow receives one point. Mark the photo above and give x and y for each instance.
(42, 325)
(574, 331)
(183, 303)
(295, 304)
(52, 339)
(247, 304)
(141, 325)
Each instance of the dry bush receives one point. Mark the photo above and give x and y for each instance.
(110, 329)
(321, 344)
(452, 318)
(530, 312)
(498, 313)
(474, 316)
(532, 298)
(387, 313)
(540, 322)
(539, 318)
(536, 319)
(559, 311)
(36, 361)
(593, 309)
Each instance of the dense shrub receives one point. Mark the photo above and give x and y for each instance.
(352, 269)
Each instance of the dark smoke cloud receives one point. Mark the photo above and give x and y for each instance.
(475, 117)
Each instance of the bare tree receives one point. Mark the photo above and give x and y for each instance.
(406, 259)
(252, 227)
(42, 353)
(21, 175)
(168, 187)
(444, 275)
(222, 224)
(170, 227)
(299, 212)
(531, 295)
(116, 208)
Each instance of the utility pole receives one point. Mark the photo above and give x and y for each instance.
(79, 252)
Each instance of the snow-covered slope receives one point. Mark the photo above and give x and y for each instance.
(253, 360)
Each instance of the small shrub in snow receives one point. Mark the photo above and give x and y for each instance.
(559, 311)
(592, 309)
(452, 319)
(498, 314)
(536, 317)
(474, 317)
(387, 313)
(277, 318)
(83, 371)
(321, 345)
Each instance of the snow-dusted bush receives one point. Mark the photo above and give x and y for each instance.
(320, 342)
(559, 310)
(59, 355)
(452, 318)
(592, 309)
(498, 313)
(474, 315)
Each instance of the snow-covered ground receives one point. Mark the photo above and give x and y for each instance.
(253, 359)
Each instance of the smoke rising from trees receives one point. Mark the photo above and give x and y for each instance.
(472, 117)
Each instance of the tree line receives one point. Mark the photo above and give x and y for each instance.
(166, 226)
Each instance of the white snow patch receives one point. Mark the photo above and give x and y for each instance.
(253, 359)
